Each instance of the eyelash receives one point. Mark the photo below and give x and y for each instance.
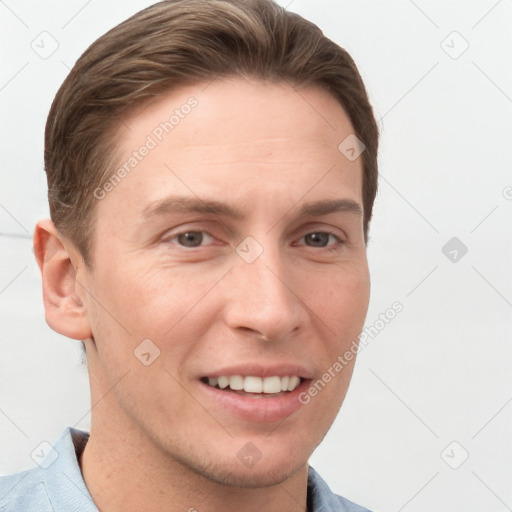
(329, 247)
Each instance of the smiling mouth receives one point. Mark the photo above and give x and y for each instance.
(255, 387)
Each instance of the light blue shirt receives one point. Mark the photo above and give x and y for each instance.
(56, 485)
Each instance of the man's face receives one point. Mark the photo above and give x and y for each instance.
(236, 247)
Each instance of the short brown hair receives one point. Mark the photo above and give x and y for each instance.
(175, 43)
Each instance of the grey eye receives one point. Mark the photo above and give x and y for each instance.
(191, 238)
(318, 239)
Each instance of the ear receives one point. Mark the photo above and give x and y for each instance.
(65, 311)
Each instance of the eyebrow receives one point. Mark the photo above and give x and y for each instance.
(196, 205)
(189, 205)
(318, 208)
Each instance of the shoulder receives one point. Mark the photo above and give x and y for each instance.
(322, 499)
(350, 506)
(55, 484)
(24, 491)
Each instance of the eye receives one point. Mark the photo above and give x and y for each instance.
(320, 239)
(192, 239)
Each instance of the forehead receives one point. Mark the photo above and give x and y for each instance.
(236, 139)
(222, 106)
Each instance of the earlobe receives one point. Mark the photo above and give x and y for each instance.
(65, 311)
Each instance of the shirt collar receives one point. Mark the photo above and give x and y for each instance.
(63, 479)
(322, 499)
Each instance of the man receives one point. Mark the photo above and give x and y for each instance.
(212, 166)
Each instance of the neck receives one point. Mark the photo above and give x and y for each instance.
(126, 476)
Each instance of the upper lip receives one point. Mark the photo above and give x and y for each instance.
(259, 370)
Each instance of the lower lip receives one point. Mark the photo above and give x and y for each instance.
(258, 409)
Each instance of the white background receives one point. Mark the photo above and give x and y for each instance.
(440, 371)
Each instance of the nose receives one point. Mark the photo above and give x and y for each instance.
(262, 300)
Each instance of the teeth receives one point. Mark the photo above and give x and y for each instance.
(252, 384)
(223, 382)
(236, 382)
(294, 382)
(272, 385)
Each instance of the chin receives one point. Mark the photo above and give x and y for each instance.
(263, 473)
(267, 475)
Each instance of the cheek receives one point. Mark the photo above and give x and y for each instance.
(164, 304)
(340, 300)
(340, 306)
(138, 299)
